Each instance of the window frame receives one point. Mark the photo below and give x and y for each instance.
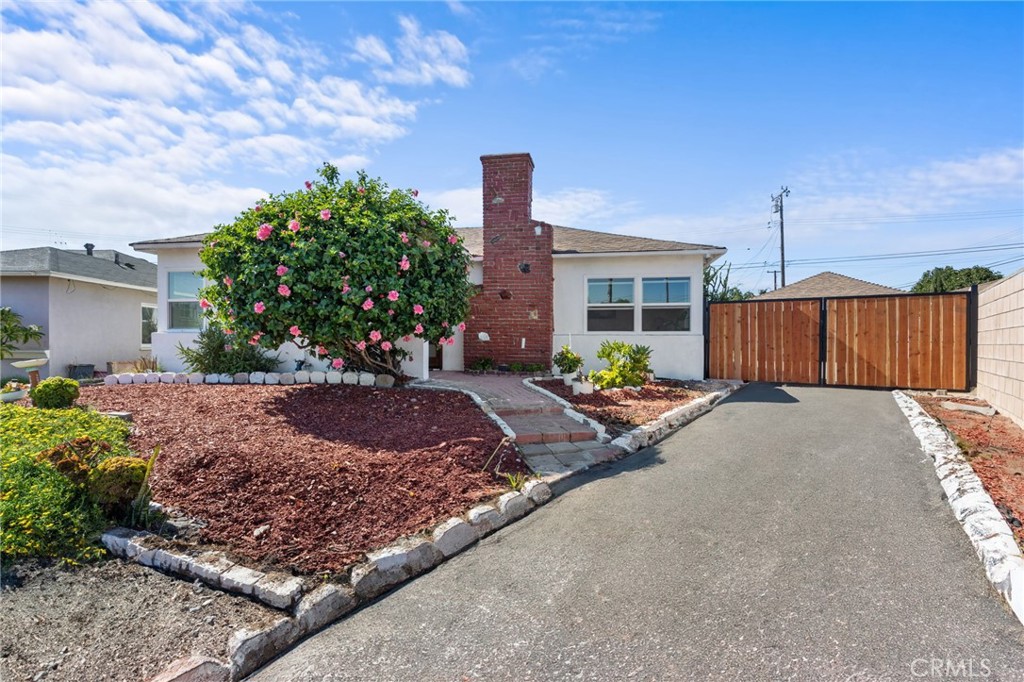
(142, 322)
(170, 300)
(688, 305)
(608, 306)
(638, 305)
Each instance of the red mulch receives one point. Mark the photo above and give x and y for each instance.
(995, 448)
(624, 410)
(334, 470)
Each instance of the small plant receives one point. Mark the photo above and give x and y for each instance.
(14, 380)
(567, 360)
(11, 386)
(628, 365)
(75, 458)
(141, 516)
(516, 481)
(55, 393)
(516, 367)
(535, 367)
(215, 352)
(144, 364)
(482, 364)
(114, 483)
(13, 332)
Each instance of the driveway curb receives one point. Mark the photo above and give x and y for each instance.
(988, 531)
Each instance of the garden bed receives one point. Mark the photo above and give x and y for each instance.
(622, 410)
(994, 446)
(311, 477)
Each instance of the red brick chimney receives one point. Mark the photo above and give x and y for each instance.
(515, 306)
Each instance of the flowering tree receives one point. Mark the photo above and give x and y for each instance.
(344, 269)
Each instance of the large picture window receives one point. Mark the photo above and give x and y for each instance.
(183, 301)
(149, 324)
(610, 304)
(666, 304)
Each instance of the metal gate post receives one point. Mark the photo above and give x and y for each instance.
(706, 324)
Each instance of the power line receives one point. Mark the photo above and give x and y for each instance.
(895, 256)
(912, 217)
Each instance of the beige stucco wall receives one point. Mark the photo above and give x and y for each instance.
(1001, 345)
(678, 355)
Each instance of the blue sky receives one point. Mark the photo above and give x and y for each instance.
(897, 127)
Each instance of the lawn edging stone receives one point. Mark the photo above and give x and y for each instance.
(268, 378)
(972, 506)
(657, 429)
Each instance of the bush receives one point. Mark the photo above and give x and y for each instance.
(75, 458)
(43, 513)
(567, 361)
(628, 365)
(55, 393)
(213, 353)
(115, 482)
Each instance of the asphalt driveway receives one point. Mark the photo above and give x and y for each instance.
(793, 533)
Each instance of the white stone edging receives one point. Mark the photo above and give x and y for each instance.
(269, 378)
(668, 422)
(569, 411)
(972, 506)
(480, 402)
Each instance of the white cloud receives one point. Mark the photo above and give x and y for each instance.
(572, 207)
(372, 49)
(422, 58)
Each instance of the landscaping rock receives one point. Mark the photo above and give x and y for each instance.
(213, 378)
(139, 379)
(152, 378)
(110, 380)
(181, 378)
(210, 566)
(167, 377)
(539, 492)
(485, 519)
(240, 579)
(987, 411)
(302, 377)
(279, 590)
(248, 650)
(124, 378)
(323, 606)
(384, 381)
(334, 377)
(318, 377)
(226, 378)
(116, 540)
(168, 561)
(257, 377)
(453, 536)
(513, 505)
(366, 379)
(195, 378)
(194, 669)
(350, 378)
(392, 565)
(240, 378)
(272, 379)
(286, 379)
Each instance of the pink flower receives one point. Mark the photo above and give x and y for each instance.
(462, 326)
(453, 239)
(259, 307)
(451, 340)
(346, 288)
(325, 214)
(254, 341)
(284, 290)
(368, 304)
(228, 281)
(320, 350)
(341, 254)
(418, 329)
(426, 244)
(227, 346)
(263, 234)
(368, 288)
(442, 341)
(392, 295)
(309, 185)
(361, 190)
(204, 304)
(407, 338)
(229, 332)
(361, 345)
(405, 238)
(386, 345)
(444, 324)
(375, 336)
(391, 312)
(259, 208)
(418, 309)
(294, 330)
(404, 263)
(281, 270)
(337, 363)
(415, 192)
(294, 226)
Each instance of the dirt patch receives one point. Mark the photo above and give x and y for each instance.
(334, 471)
(623, 410)
(995, 448)
(112, 621)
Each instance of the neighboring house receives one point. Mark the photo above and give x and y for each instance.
(95, 306)
(828, 284)
(540, 286)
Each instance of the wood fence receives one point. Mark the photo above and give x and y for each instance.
(902, 341)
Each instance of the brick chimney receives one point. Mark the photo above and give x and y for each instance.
(515, 306)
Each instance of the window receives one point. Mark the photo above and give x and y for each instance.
(183, 300)
(149, 321)
(666, 304)
(610, 305)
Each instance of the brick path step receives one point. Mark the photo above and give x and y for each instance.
(548, 428)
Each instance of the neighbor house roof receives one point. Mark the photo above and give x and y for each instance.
(828, 284)
(103, 266)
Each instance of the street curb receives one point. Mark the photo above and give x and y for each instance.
(988, 531)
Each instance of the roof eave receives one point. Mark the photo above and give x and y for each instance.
(712, 253)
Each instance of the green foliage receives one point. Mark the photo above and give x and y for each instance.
(567, 360)
(482, 364)
(13, 332)
(44, 513)
(114, 483)
(717, 288)
(343, 251)
(939, 280)
(17, 379)
(517, 481)
(55, 393)
(214, 352)
(535, 367)
(628, 365)
(141, 516)
(75, 458)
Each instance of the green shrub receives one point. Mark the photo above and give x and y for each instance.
(628, 365)
(43, 513)
(215, 352)
(55, 393)
(115, 482)
(567, 360)
(482, 364)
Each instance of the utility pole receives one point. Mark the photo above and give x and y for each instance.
(777, 208)
(775, 279)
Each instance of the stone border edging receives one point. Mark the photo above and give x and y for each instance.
(972, 506)
(269, 378)
(383, 570)
(480, 402)
(568, 410)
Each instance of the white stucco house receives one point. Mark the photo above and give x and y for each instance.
(95, 306)
(539, 286)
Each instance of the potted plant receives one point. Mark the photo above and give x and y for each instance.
(585, 386)
(13, 390)
(568, 363)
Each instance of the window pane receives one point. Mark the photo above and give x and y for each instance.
(666, 290)
(185, 315)
(148, 325)
(617, 290)
(610, 319)
(183, 285)
(665, 319)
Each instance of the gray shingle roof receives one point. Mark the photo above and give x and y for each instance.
(47, 260)
(170, 241)
(828, 284)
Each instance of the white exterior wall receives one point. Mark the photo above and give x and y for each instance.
(452, 358)
(30, 298)
(677, 355)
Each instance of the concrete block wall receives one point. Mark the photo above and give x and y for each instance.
(1001, 345)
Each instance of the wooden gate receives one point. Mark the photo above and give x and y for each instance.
(908, 341)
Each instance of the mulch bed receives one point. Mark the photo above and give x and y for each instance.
(995, 448)
(623, 410)
(333, 470)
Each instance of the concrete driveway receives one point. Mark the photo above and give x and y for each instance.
(793, 533)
